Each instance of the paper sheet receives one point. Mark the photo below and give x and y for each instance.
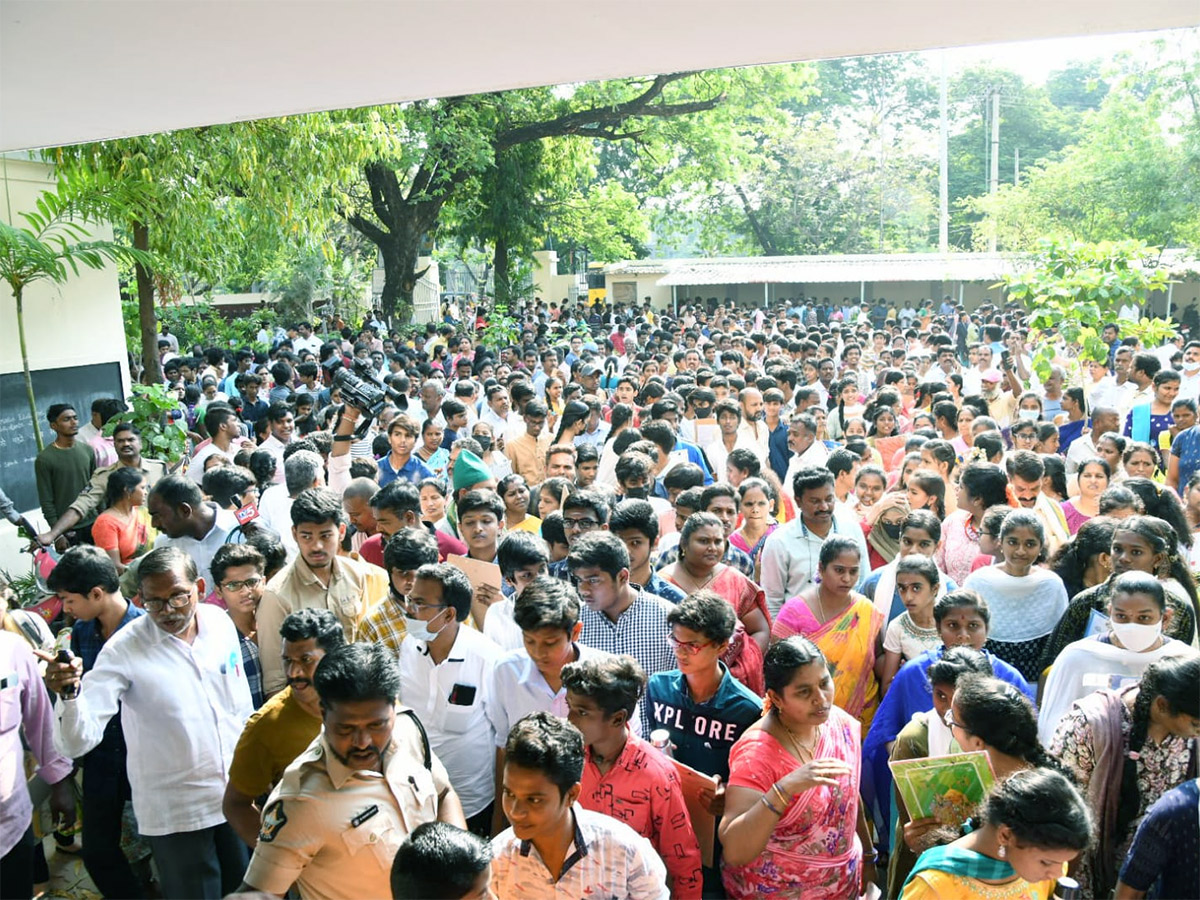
(478, 571)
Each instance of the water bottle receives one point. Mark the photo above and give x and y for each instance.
(660, 740)
(63, 654)
(1068, 889)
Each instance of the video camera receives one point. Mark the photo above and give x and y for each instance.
(362, 389)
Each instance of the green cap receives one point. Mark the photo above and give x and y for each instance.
(469, 469)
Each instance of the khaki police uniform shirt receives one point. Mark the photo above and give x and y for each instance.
(333, 831)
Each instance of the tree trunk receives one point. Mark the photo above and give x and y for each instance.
(500, 270)
(151, 364)
(33, 410)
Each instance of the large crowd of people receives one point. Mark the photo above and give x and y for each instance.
(644, 605)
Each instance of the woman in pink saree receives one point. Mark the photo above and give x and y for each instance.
(844, 624)
(793, 825)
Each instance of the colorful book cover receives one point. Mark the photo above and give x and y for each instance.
(946, 788)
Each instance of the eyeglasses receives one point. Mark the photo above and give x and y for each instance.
(579, 524)
(236, 586)
(949, 720)
(175, 601)
(689, 647)
(415, 607)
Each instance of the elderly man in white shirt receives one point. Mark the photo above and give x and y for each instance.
(176, 676)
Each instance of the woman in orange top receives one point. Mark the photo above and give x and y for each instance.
(123, 529)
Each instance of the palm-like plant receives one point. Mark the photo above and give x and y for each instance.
(53, 244)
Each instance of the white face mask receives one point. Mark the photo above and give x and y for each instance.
(418, 630)
(1136, 637)
(1028, 415)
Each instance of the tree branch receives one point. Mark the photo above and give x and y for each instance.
(760, 232)
(603, 123)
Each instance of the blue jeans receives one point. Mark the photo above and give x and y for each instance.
(199, 865)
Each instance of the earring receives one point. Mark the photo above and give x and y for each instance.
(1003, 852)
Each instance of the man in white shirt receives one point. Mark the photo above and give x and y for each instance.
(306, 340)
(302, 470)
(791, 553)
(752, 432)
(807, 451)
(224, 429)
(1105, 420)
(530, 679)
(176, 677)
(445, 676)
(499, 414)
(282, 425)
(186, 520)
(1189, 382)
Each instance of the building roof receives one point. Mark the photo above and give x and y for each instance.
(841, 269)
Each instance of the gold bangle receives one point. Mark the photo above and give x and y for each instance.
(780, 794)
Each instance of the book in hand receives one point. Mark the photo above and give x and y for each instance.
(946, 788)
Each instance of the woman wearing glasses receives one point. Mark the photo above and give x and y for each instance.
(1033, 825)
(993, 716)
(702, 546)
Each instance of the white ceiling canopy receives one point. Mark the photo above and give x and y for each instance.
(85, 70)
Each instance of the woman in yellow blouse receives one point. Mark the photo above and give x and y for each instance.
(1034, 824)
(515, 493)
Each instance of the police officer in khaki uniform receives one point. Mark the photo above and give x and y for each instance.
(334, 822)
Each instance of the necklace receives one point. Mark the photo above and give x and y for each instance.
(692, 578)
(800, 748)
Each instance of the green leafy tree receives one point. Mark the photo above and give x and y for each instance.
(52, 245)
(1075, 288)
(209, 197)
(443, 146)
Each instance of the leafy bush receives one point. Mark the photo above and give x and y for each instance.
(152, 411)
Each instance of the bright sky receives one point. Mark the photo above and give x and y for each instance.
(1035, 60)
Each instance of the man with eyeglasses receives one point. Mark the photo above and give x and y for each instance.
(703, 707)
(582, 513)
(237, 571)
(176, 677)
(445, 676)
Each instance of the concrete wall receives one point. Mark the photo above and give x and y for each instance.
(73, 324)
(547, 283)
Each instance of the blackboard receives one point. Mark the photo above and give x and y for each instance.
(78, 385)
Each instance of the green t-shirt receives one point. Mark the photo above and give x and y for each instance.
(61, 475)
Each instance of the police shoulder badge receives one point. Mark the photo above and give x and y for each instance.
(273, 821)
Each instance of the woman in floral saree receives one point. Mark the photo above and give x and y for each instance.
(844, 624)
(793, 824)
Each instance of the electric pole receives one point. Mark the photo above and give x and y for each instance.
(994, 177)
